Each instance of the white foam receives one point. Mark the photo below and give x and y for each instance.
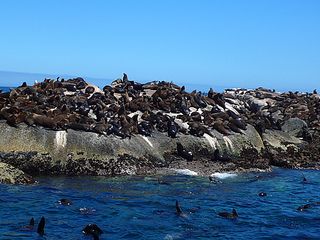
(61, 138)
(186, 172)
(148, 141)
(223, 175)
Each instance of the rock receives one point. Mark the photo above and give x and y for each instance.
(50, 152)
(294, 126)
(275, 139)
(12, 175)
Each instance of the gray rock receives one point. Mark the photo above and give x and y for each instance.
(36, 150)
(11, 175)
(276, 139)
(294, 126)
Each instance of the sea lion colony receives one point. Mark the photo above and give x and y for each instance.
(127, 107)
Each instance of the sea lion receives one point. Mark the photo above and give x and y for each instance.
(161, 182)
(93, 230)
(89, 90)
(184, 153)
(234, 128)
(262, 194)
(179, 211)
(28, 227)
(144, 128)
(304, 207)
(232, 215)
(214, 180)
(65, 202)
(210, 93)
(40, 229)
(218, 157)
(172, 128)
(125, 78)
(304, 179)
(219, 126)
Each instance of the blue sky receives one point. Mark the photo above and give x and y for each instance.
(239, 43)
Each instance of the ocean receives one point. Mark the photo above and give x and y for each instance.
(138, 207)
(5, 89)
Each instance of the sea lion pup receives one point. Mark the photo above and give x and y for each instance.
(218, 157)
(41, 225)
(184, 153)
(232, 215)
(93, 230)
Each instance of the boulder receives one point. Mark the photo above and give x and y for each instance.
(12, 175)
(294, 126)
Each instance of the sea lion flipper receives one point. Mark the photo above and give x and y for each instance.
(41, 225)
(178, 208)
(31, 223)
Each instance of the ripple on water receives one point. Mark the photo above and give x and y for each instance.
(144, 207)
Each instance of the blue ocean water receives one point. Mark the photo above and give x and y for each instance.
(5, 89)
(141, 208)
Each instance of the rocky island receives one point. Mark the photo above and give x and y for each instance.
(71, 127)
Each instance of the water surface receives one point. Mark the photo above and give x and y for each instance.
(141, 208)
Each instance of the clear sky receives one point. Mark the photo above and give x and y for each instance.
(239, 43)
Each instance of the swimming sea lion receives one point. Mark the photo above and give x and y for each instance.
(214, 180)
(179, 211)
(28, 227)
(228, 215)
(262, 194)
(304, 207)
(41, 225)
(93, 230)
(65, 202)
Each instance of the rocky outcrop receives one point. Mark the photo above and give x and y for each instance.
(12, 175)
(37, 150)
(74, 128)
